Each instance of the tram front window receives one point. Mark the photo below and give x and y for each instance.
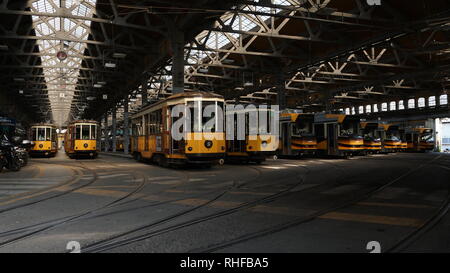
(48, 135)
(198, 122)
(85, 132)
(348, 129)
(301, 128)
(40, 134)
(427, 138)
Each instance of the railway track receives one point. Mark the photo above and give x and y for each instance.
(401, 244)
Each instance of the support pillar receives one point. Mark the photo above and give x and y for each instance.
(126, 129)
(99, 134)
(144, 91)
(114, 129)
(177, 42)
(438, 100)
(106, 137)
(281, 91)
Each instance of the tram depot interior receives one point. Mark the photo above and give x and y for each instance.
(344, 105)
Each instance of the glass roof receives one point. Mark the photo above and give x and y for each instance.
(62, 35)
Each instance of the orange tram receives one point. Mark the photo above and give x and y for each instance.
(81, 139)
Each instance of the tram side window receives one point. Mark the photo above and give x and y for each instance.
(155, 122)
(41, 134)
(158, 121)
(48, 134)
(137, 128)
(78, 132)
(33, 134)
(93, 132)
(53, 134)
(148, 123)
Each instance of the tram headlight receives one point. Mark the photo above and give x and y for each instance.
(85, 145)
(40, 146)
(208, 144)
(190, 149)
(264, 144)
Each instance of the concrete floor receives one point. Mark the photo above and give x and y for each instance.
(114, 204)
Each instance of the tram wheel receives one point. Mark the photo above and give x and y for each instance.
(138, 157)
(160, 160)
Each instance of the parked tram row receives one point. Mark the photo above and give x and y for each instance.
(299, 134)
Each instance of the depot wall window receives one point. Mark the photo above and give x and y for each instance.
(384, 107)
(392, 106)
(347, 111)
(411, 104)
(432, 101)
(361, 109)
(421, 102)
(401, 105)
(368, 109)
(353, 111)
(443, 99)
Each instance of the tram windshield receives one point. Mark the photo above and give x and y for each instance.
(427, 138)
(86, 132)
(302, 128)
(200, 122)
(43, 134)
(392, 137)
(349, 129)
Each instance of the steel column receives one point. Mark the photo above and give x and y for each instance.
(177, 41)
(144, 90)
(281, 91)
(114, 130)
(105, 133)
(126, 132)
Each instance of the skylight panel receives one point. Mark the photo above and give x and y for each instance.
(62, 76)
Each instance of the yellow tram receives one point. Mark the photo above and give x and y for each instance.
(391, 140)
(420, 139)
(176, 131)
(372, 132)
(81, 139)
(296, 134)
(338, 135)
(44, 138)
(258, 139)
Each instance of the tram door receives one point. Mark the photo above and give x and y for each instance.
(286, 137)
(332, 138)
